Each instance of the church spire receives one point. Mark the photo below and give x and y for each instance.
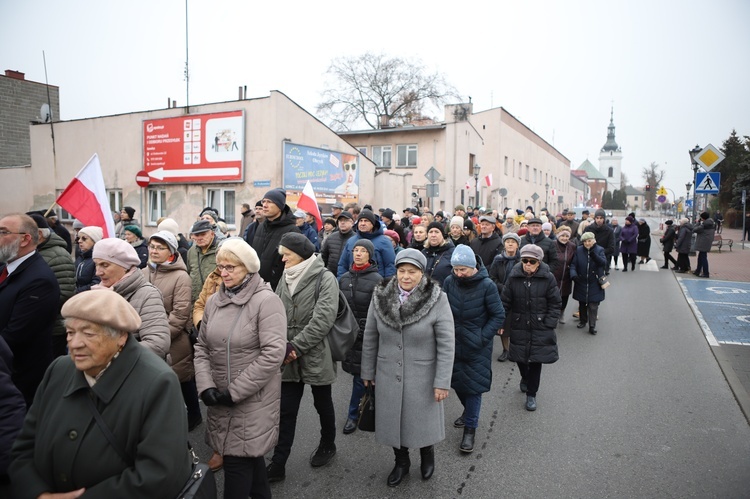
(611, 145)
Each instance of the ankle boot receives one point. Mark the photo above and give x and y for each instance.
(467, 443)
(427, 466)
(402, 466)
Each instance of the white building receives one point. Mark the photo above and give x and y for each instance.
(610, 158)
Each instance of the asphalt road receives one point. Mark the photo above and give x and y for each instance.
(640, 410)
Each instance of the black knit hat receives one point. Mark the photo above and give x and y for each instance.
(369, 215)
(40, 220)
(277, 196)
(130, 211)
(298, 243)
(435, 225)
(388, 213)
(366, 244)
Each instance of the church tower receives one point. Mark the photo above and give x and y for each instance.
(610, 157)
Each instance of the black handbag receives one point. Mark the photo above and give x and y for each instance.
(200, 485)
(366, 417)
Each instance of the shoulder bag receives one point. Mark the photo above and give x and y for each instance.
(345, 328)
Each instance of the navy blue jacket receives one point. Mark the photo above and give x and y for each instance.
(29, 304)
(585, 270)
(12, 407)
(385, 256)
(86, 272)
(478, 314)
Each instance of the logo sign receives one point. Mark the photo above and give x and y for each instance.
(142, 178)
(198, 148)
(709, 157)
(707, 182)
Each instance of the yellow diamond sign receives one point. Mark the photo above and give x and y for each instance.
(709, 157)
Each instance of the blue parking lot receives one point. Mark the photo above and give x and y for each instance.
(722, 308)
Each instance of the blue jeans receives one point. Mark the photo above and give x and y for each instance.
(358, 389)
(472, 404)
(702, 263)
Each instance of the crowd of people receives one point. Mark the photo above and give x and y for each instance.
(132, 333)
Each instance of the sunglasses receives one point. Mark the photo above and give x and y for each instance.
(530, 261)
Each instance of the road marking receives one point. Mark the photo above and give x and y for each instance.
(723, 303)
(703, 324)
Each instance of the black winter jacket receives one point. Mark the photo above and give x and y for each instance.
(684, 238)
(605, 238)
(532, 308)
(548, 246)
(439, 261)
(668, 239)
(86, 272)
(357, 286)
(332, 248)
(487, 248)
(501, 267)
(266, 244)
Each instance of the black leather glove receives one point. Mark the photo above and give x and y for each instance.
(211, 396)
(225, 399)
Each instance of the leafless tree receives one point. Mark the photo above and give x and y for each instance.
(374, 89)
(652, 176)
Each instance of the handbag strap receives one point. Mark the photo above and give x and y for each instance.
(317, 285)
(105, 429)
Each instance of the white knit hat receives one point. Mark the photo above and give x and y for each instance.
(457, 221)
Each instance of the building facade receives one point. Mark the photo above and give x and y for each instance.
(610, 158)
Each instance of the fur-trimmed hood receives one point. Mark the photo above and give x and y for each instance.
(416, 307)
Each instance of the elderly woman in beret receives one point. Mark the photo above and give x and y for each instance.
(62, 450)
(117, 267)
(587, 267)
(240, 348)
(134, 236)
(308, 359)
(407, 354)
(85, 267)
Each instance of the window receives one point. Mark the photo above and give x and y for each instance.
(406, 155)
(535, 175)
(115, 200)
(381, 155)
(505, 166)
(362, 150)
(528, 172)
(157, 205)
(63, 215)
(610, 172)
(223, 201)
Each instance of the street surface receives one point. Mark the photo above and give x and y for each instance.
(642, 409)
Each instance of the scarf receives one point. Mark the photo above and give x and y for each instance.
(292, 275)
(403, 295)
(360, 269)
(236, 289)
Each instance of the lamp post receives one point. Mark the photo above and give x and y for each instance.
(688, 186)
(694, 152)
(476, 185)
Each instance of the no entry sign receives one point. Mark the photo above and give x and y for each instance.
(142, 178)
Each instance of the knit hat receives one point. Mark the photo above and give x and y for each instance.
(135, 230)
(704, 215)
(600, 213)
(435, 225)
(277, 196)
(522, 231)
(393, 235)
(512, 235)
(519, 211)
(412, 256)
(457, 221)
(463, 256)
(117, 251)
(130, 211)
(243, 252)
(201, 226)
(440, 214)
(298, 243)
(532, 251)
(93, 232)
(77, 224)
(369, 215)
(416, 220)
(388, 213)
(167, 238)
(668, 222)
(468, 224)
(330, 221)
(41, 222)
(367, 244)
(544, 219)
(546, 226)
(459, 207)
(587, 235)
(211, 213)
(104, 307)
(630, 219)
(170, 225)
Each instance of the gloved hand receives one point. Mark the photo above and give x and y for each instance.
(225, 399)
(211, 396)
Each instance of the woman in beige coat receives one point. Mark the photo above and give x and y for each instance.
(166, 270)
(238, 358)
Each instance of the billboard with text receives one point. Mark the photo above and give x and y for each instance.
(333, 175)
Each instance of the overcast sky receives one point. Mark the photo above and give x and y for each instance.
(676, 71)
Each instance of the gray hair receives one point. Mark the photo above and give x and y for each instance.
(112, 332)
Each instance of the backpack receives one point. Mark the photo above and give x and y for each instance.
(345, 328)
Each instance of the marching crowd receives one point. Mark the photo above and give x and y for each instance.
(104, 358)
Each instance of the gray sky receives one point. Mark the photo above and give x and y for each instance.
(676, 71)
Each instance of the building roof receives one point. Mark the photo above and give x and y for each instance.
(591, 171)
(399, 129)
(611, 145)
(632, 191)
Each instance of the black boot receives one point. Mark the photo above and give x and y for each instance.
(402, 466)
(427, 466)
(592, 329)
(467, 443)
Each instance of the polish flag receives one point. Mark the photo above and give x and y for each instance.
(552, 192)
(469, 183)
(488, 180)
(86, 198)
(308, 203)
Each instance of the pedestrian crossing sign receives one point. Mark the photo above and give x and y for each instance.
(707, 182)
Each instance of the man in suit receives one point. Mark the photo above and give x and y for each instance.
(29, 302)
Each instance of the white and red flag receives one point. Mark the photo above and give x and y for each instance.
(86, 198)
(308, 203)
(469, 183)
(488, 180)
(552, 192)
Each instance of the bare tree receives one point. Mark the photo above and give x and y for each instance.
(652, 176)
(377, 90)
(623, 180)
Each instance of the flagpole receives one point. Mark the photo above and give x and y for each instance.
(50, 209)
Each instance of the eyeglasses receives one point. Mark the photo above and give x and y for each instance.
(83, 238)
(530, 261)
(157, 248)
(7, 232)
(348, 167)
(228, 268)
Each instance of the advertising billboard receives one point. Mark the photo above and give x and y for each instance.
(333, 175)
(199, 148)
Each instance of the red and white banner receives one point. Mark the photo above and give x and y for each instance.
(86, 198)
(552, 192)
(488, 180)
(307, 202)
(470, 183)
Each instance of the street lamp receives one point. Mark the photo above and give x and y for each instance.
(693, 153)
(476, 185)
(688, 186)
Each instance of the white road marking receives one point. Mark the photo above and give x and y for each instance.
(701, 321)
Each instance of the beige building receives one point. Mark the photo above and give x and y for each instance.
(525, 169)
(270, 124)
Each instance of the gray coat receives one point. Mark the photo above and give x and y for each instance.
(408, 351)
(704, 232)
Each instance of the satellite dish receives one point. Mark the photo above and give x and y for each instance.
(45, 114)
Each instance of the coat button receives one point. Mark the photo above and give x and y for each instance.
(398, 378)
(399, 346)
(399, 363)
(73, 435)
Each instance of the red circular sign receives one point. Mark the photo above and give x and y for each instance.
(142, 178)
